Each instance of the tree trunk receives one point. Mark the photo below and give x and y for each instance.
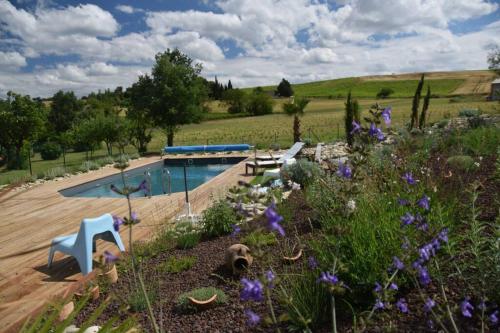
(170, 138)
(296, 129)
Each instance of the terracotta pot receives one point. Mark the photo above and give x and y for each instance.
(65, 311)
(112, 275)
(293, 258)
(203, 304)
(95, 292)
(238, 258)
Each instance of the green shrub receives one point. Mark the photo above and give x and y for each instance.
(188, 241)
(186, 234)
(385, 92)
(218, 218)
(259, 103)
(443, 123)
(302, 172)
(50, 151)
(177, 265)
(469, 113)
(201, 294)
(461, 162)
(105, 161)
(137, 301)
(88, 165)
(311, 301)
(54, 173)
(258, 239)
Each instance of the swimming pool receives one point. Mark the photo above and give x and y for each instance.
(199, 171)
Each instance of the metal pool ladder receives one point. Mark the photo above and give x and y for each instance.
(147, 175)
(166, 178)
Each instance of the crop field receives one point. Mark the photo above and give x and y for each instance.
(323, 116)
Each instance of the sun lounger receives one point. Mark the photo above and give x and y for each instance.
(276, 173)
(81, 245)
(269, 157)
(290, 153)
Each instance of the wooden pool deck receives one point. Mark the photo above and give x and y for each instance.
(30, 219)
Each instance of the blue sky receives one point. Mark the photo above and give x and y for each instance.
(85, 46)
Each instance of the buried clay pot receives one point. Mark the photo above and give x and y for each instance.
(238, 258)
(111, 275)
(65, 311)
(293, 258)
(203, 304)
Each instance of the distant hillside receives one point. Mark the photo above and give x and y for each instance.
(441, 83)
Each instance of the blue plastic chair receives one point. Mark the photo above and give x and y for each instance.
(81, 245)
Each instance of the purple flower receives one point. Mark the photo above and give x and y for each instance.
(408, 177)
(135, 218)
(393, 286)
(407, 219)
(236, 230)
(376, 132)
(356, 127)
(443, 235)
(481, 305)
(274, 219)
(270, 278)
(252, 290)
(143, 186)
(430, 324)
(494, 317)
(109, 257)
(424, 202)
(344, 171)
(386, 114)
(311, 261)
(378, 287)
(379, 304)
(423, 275)
(466, 308)
(253, 318)
(397, 263)
(327, 277)
(403, 202)
(117, 222)
(429, 304)
(406, 244)
(402, 305)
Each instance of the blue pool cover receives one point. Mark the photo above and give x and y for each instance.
(204, 149)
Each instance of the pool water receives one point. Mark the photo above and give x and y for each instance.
(197, 174)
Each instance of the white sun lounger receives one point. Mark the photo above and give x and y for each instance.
(290, 153)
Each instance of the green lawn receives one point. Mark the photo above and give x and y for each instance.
(324, 118)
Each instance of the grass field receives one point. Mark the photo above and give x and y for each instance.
(323, 120)
(442, 84)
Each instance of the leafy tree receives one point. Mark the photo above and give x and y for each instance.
(64, 111)
(351, 114)
(425, 107)
(416, 103)
(494, 60)
(296, 109)
(179, 92)
(284, 89)
(259, 103)
(385, 92)
(235, 99)
(138, 112)
(21, 120)
(87, 135)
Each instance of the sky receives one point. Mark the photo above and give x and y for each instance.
(46, 46)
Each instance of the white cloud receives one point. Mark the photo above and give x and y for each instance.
(128, 9)
(11, 60)
(301, 40)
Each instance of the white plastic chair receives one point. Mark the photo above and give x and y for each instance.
(81, 245)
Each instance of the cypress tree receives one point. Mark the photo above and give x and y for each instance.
(416, 103)
(348, 118)
(229, 85)
(423, 115)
